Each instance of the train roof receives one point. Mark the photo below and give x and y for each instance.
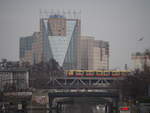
(101, 70)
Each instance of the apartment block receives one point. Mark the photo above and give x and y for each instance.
(94, 54)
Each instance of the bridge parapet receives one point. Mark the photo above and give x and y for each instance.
(82, 82)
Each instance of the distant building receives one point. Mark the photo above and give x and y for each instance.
(5, 64)
(94, 54)
(14, 79)
(59, 39)
(141, 59)
(31, 48)
(12, 76)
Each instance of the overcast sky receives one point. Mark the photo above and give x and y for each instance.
(121, 22)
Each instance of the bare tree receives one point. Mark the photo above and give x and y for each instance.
(135, 85)
(41, 73)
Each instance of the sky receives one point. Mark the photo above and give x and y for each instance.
(121, 22)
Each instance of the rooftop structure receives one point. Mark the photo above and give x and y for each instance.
(14, 79)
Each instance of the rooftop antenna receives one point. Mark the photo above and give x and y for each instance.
(58, 12)
(74, 14)
(45, 12)
(68, 13)
(64, 13)
(52, 12)
(80, 14)
(40, 11)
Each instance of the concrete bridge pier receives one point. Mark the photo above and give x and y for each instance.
(59, 107)
(50, 104)
(108, 108)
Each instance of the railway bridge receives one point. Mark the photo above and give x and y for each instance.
(67, 88)
(82, 82)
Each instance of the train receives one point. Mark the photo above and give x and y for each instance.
(96, 73)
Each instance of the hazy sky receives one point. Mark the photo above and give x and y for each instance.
(121, 22)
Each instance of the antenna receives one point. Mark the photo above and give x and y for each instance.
(71, 14)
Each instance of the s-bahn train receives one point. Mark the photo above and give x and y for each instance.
(96, 73)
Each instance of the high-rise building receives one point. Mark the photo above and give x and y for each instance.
(59, 39)
(31, 48)
(94, 54)
(86, 50)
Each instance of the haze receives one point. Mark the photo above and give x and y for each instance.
(121, 22)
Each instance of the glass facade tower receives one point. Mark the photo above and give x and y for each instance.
(59, 39)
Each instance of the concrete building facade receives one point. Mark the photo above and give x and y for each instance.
(94, 54)
(59, 39)
(31, 48)
(14, 79)
(86, 52)
(140, 60)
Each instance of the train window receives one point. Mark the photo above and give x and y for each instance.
(110, 73)
(82, 72)
(114, 73)
(99, 73)
(78, 72)
(91, 72)
(118, 73)
(124, 73)
(74, 72)
(121, 73)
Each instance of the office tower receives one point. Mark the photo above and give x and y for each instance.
(59, 39)
(31, 48)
